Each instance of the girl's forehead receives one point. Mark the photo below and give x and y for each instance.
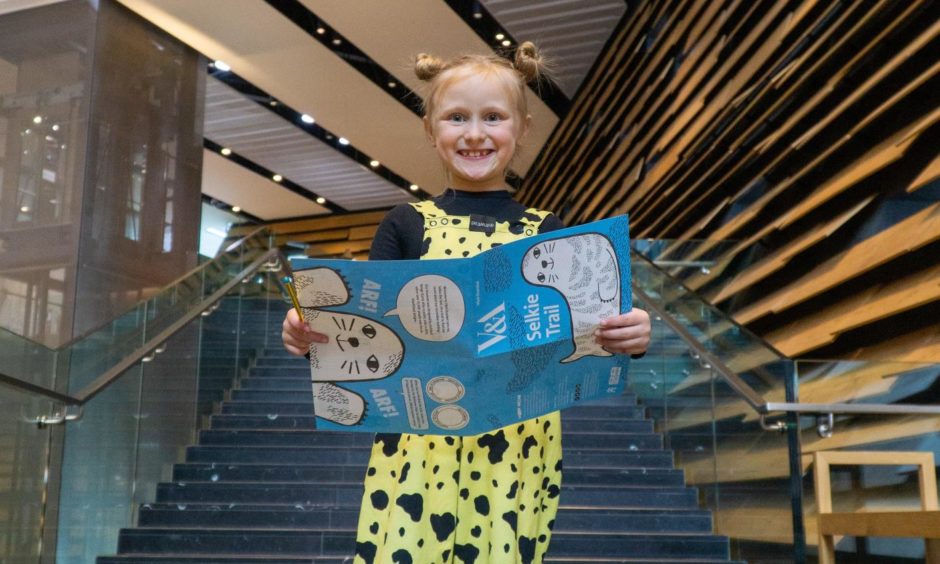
(481, 85)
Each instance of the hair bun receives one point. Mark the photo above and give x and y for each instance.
(427, 66)
(528, 61)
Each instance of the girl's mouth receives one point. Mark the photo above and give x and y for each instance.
(475, 154)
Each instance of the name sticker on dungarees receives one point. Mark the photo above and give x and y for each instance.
(482, 223)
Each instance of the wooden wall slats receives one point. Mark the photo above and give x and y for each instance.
(316, 223)
(773, 262)
(874, 304)
(916, 231)
(314, 236)
(338, 248)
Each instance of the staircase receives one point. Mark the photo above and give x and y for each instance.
(261, 485)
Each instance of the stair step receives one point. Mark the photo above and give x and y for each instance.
(350, 495)
(635, 412)
(574, 458)
(327, 517)
(285, 422)
(354, 474)
(301, 437)
(302, 542)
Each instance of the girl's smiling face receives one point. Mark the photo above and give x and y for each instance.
(475, 130)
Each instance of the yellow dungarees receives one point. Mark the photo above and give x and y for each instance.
(486, 499)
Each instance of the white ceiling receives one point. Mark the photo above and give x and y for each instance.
(276, 55)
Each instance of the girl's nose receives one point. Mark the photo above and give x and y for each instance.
(474, 130)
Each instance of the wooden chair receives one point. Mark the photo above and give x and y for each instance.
(924, 523)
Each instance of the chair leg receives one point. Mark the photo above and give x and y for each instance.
(932, 551)
(827, 550)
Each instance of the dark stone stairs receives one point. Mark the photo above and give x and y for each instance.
(261, 485)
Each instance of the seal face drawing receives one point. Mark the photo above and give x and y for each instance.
(584, 269)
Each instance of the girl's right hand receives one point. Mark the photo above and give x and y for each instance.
(297, 335)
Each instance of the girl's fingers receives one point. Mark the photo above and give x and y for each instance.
(632, 346)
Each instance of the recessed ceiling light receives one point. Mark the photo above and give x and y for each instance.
(236, 209)
(500, 36)
(226, 151)
(321, 200)
(37, 119)
(343, 141)
(307, 118)
(277, 178)
(414, 187)
(222, 66)
(273, 102)
(24, 209)
(55, 127)
(477, 15)
(374, 163)
(337, 41)
(507, 43)
(321, 30)
(392, 84)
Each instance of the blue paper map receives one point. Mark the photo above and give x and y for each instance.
(465, 346)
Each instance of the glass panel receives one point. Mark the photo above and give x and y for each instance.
(741, 470)
(870, 488)
(24, 458)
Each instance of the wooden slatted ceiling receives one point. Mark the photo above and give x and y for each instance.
(785, 125)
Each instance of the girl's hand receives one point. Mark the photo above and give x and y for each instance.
(297, 335)
(627, 333)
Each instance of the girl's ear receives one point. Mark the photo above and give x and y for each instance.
(429, 131)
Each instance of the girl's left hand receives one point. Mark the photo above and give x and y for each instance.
(627, 333)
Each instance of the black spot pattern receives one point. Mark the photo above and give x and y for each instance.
(526, 549)
(402, 556)
(511, 518)
(497, 445)
(413, 504)
(467, 553)
(366, 550)
(482, 504)
(390, 442)
(528, 444)
(443, 525)
(513, 488)
(404, 473)
(379, 499)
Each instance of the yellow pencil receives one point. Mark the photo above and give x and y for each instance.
(289, 284)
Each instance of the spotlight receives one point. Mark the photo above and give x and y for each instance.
(343, 141)
(236, 209)
(321, 30)
(414, 187)
(24, 209)
(374, 163)
(500, 36)
(477, 15)
(277, 178)
(307, 118)
(222, 66)
(55, 127)
(392, 84)
(321, 200)
(226, 151)
(337, 41)
(37, 120)
(507, 43)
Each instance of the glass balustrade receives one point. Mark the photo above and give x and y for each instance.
(68, 489)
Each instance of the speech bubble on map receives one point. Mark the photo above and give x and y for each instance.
(431, 308)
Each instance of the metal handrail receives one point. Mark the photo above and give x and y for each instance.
(114, 373)
(756, 401)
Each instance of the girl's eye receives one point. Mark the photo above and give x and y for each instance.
(368, 331)
(457, 118)
(493, 117)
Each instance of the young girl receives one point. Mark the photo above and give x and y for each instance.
(491, 498)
